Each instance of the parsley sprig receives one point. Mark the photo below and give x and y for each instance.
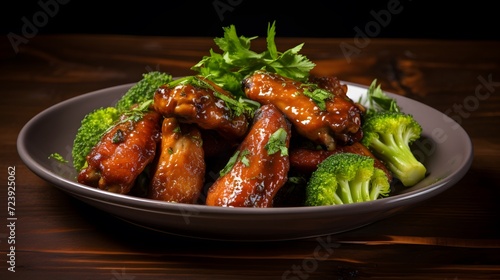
(228, 69)
(376, 100)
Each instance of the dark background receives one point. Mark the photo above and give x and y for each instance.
(472, 20)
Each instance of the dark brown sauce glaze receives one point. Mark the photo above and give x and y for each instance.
(340, 121)
(255, 183)
(122, 154)
(192, 104)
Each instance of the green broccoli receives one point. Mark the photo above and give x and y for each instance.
(345, 178)
(92, 127)
(143, 90)
(97, 122)
(389, 135)
(389, 132)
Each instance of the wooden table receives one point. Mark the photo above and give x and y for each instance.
(455, 235)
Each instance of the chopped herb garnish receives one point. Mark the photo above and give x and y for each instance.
(119, 137)
(277, 142)
(244, 159)
(241, 156)
(231, 162)
(58, 157)
(138, 112)
(240, 106)
(318, 95)
(237, 106)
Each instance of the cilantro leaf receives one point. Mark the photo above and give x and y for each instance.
(318, 95)
(237, 156)
(377, 100)
(277, 142)
(230, 163)
(271, 45)
(238, 60)
(293, 65)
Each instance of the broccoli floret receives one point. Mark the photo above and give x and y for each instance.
(389, 134)
(97, 122)
(92, 127)
(144, 90)
(345, 178)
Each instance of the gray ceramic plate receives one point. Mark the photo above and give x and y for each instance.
(446, 151)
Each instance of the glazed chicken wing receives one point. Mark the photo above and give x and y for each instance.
(192, 104)
(330, 83)
(122, 154)
(306, 160)
(257, 175)
(180, 171)
(340, 120)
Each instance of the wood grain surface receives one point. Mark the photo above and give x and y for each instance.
(455, 235)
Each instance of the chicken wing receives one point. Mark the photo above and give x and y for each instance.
(257, 174)
(307, 160)
(339, 121)
(192, 104)
(180, 171)
(122, 154)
